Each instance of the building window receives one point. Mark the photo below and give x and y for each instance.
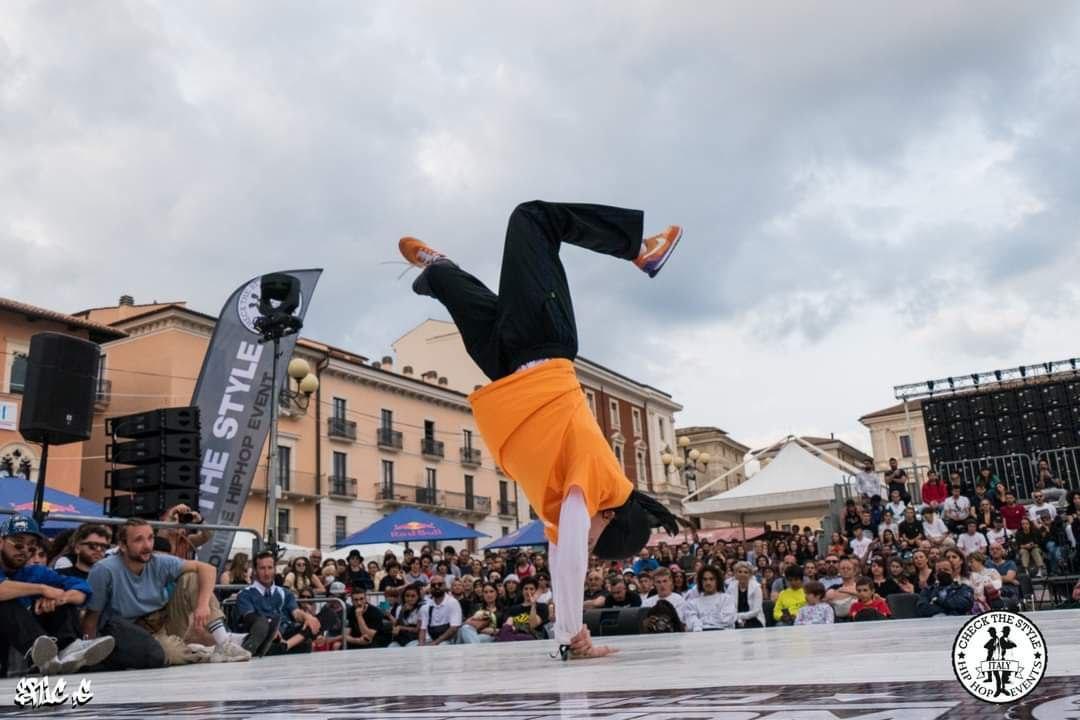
(17, 372)
(429, 429)
(591, 398)
(640, 467)
(339, 408)
(905, 446)
(505, 531)
(283, 529)
(467, 439)
(663, 432)
(340, 459)
(532, 513)
(339, 529)
(637, 422)
(387, 419)
(284, 459)
(431, 479)
(388, 477)
(614, 406)
(469, 492)
(618, 453)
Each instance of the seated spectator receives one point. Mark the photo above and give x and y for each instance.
(879, 575)
(406, 617)
(1012, 511)
(956, 510)
(367, 624)
(910, 529)
(301, 576)
(934, 490)
(645, 561)
(237, 571)
(868, 600)
(1040, 507)
(595, 594)
(678, 580)
(276, 624)
(898, 576)
(998, 534)
(39, 608)
(645, 585)
(543, 577)
(896, 504)
(971, 540)
(331, 624)
(483, 624)
(985, 513)
(620, 596)
(934, 529)
(830, 578)
(860, 544)
(512, 590)
(985, 582)
(524, 620)
(415, 575)
(183, 543)
(665, 590)
(440, 617)
(1028, 541)
(842, 596)
(131, 602)
(792, 598)
(356, 575)
(1049, 484)
(747, 596)
(852, 518)
(780, 584)
(1055, 541)
(816, 611)
(88, 546)
(711, 608)
(946, 596)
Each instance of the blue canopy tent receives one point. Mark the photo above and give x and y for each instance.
(529, 534)
(410, 525)
(17, 495)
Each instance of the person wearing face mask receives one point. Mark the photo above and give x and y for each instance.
(946, 596)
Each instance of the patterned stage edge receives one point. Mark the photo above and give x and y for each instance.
(1056, 698)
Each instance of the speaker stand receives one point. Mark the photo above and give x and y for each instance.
(39, 490)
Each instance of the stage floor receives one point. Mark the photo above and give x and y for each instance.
(870, 671)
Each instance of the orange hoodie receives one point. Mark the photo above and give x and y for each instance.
(538, 426)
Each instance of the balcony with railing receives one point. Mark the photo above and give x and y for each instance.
(448, 501)
(432, 449)
(288, 535)
(388, 439)
(339, 486)
(341, 429)
(103, 394)
(470, 456)
(507, 508)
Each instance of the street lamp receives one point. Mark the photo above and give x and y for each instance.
(306, 385)
(690, 462)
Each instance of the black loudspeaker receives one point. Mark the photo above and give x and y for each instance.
(1033, 421)
(149, 504)
(1008, 426)
(957, 408)
(937, 434)
(1058, 418)
(154, 422)
(934, 414)
(61, 382)
(149, 450)
(982, 406)
(615, 621)
(1029, 398)
(962, 450)
(987, 447)
(1005, 403)
(984, 428)
(177, 475)
(1074, 411)
(1013, 445)
(940, 454)
(1036, 443)
(1062, 438)
(960, 432)
(1054, 395)
(1072, 392)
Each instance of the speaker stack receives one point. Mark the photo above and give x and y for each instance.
(162, 449)
(1026, 420)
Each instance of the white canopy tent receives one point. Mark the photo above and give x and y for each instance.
(796, 484)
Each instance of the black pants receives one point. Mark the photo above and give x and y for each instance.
(136, 649)
(19, 627)
(532, 317)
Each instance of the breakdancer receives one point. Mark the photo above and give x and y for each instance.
(533, 415)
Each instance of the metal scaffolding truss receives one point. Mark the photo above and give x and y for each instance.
(980, 380)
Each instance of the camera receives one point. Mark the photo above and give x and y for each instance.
(186, 518)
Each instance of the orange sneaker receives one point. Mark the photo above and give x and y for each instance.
(657, 250)
(417, 253)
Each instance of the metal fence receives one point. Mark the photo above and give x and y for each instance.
(1020, 471)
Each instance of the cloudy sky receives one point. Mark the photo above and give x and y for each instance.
(873, 192)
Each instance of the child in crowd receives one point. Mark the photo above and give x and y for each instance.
(791, 598)
(868, 599)
(816, 611)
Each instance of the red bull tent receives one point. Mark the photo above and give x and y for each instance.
(410, 525)
(17, 495)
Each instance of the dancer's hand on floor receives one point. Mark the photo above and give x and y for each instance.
(581, 646)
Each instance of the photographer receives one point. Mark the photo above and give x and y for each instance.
(183, 542)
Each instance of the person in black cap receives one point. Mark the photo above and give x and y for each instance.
(534, 416)
(39, 608)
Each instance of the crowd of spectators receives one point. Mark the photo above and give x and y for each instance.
(125, 597)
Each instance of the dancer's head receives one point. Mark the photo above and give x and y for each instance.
(619, 533)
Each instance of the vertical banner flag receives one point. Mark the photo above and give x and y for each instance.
(233, 394)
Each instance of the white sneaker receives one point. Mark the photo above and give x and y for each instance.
(83, 653)
(230, 652)
(42, 655)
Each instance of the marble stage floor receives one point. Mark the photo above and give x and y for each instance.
(865, 671)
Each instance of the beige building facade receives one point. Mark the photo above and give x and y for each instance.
(898, 434)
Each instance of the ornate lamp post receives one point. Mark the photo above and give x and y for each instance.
(306, 384)
(689, 462)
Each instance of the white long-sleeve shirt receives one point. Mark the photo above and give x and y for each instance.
(569, 563)
(709, 612)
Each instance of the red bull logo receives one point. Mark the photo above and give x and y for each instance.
(46, 506)
(415, 528)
